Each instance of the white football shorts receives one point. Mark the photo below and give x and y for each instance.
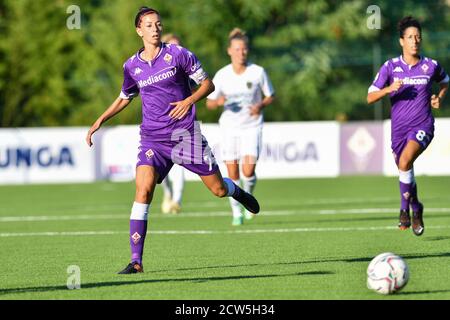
(237, 143)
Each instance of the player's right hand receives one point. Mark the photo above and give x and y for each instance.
(395, 86)
(91, 131)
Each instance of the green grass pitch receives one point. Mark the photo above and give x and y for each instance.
(313, 239)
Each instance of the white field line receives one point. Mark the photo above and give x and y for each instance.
(211, 214)
(204, 232)
(218, 204)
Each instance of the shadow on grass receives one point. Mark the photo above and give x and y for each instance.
(349, 260)
(130, 282)
(386, 217)
(421, 292)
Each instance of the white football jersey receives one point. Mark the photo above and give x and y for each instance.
(241, 91)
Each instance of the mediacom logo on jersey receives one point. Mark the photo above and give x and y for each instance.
(421, 80)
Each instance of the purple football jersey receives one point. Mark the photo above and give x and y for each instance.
(411, 104)
(161, 81)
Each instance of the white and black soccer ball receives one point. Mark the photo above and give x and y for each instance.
(387, 273)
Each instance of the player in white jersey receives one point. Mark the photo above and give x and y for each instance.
(173, 184)
(244, 90)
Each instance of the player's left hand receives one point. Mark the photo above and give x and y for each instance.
(255, 110)
(435, 101)
(181, 108)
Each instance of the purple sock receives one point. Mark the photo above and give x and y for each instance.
(138, 231)
(233, 189)
(415, 204)
(405, 195)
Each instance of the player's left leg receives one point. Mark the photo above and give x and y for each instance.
(233, 174)
(250, 148)
(224, 187)
(177, 177)
(408, 185)
(249, 177)
(167, 197)
(209, 172)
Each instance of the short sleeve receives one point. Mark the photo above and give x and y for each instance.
(129, 86)
(218, 87)
(381, 79)
(192, 66)
(439, 74)
(266, 85)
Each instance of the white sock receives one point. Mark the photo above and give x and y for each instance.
(139, 211)
(406, 177)
(166, 187)
(235, 205)
(249, 183)
(177, 177)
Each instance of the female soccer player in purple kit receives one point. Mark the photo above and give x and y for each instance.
(408, 81)
(160, 73)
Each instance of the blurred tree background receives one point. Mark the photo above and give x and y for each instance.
(320, 54)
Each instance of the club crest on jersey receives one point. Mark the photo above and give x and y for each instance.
(168, 58)
(249, 85)
(424, 68)
(149, 154)
(136, 237)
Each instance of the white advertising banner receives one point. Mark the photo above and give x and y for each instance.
(45, 155)
(289, 150)
(119, 150)
(434, 160)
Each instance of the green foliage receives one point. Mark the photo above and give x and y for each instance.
(319, 54)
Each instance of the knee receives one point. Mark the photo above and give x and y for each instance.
(404, 164)
(143, 194)
(248, 173)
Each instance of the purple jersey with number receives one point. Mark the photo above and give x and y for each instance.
(411, 105)
(160, 82)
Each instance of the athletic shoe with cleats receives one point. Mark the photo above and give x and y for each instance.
(166, 204)
(237, 221)
(248, 215)
(175, 208)
(417, 222)
(405, 220)
(132, 267)
(248, 201)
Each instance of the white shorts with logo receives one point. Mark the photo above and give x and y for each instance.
(237, 143)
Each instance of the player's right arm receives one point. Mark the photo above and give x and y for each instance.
(118, 105)
(129, 91)
(376, 95)
(213, 104)
(216, 98)
(379, 87)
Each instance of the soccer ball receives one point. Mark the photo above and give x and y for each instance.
(387, 273)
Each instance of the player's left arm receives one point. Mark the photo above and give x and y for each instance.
(442, 78)
(182, 107)
(194, 70)
(436, 100)
(258, 107)
(269, 94)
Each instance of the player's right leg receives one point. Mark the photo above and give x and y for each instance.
(146, 179)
